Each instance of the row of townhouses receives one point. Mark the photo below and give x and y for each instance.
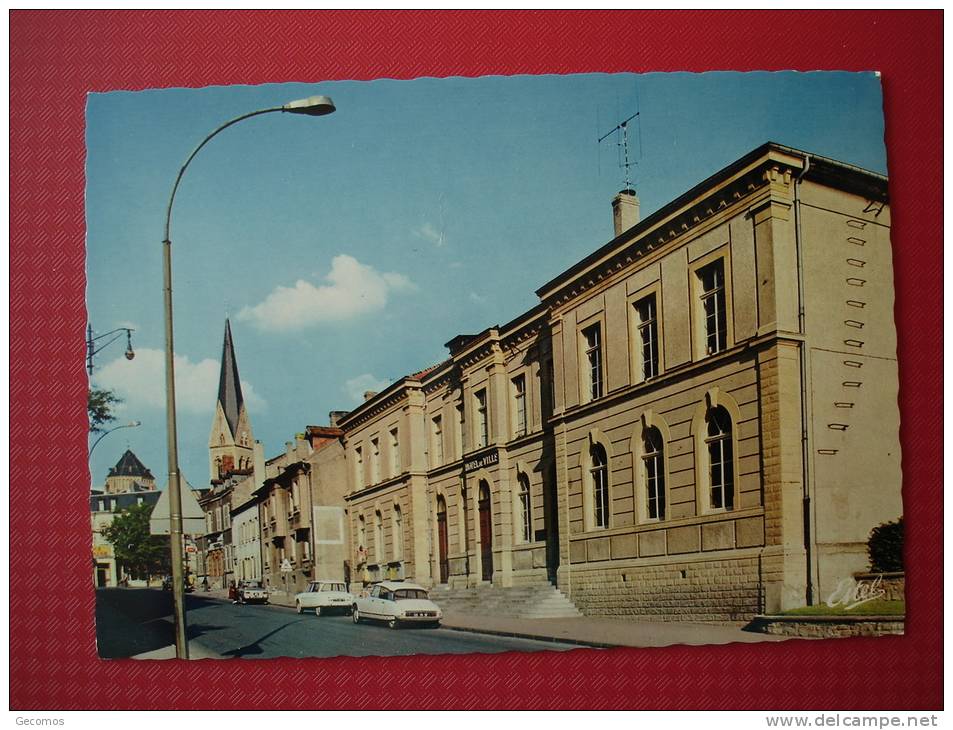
(699, 420)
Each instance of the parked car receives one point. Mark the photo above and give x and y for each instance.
(323, 596)
(397, 603)
(252, 591)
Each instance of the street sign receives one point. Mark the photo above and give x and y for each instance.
(193, 518)
(286, 566)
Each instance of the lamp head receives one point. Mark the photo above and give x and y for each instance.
(314, 106)
(130, 354)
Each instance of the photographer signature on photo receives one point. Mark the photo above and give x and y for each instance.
(851, 593)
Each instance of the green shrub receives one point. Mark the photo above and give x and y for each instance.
(885, 547)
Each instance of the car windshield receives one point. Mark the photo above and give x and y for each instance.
(252, 585)
(325, 587)
(405, 594)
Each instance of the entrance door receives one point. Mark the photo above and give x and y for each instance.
(486, 532)
(442, 540)
(102, 575)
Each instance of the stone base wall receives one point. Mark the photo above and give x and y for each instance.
(829, 627)
(892, 584)
(706, 591)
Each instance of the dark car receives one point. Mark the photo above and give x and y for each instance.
(167, 584)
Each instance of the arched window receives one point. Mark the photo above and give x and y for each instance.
(525, 514)
(599, 476)
(398, 533)
(379, 536)
(720, 459)
(653, 466)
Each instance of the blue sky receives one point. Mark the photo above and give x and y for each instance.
(347, 249)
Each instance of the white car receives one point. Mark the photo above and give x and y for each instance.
(252, 591)
(323, 596)
(397, 603)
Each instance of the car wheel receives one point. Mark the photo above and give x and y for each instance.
(317, 610)
(298, 607)
(355, 615)
(392, 624)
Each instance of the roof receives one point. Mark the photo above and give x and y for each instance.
(816, 167)
(421, 374)
(394, 585)
(229, 386)
(130, 466)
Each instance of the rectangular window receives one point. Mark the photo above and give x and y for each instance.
(712, 278)
(648, 336)
(592, 337)
(375, 461)
(358, 468)
(437, 446)
(482, 433)
(394, 452)
(461, 431)
(519, 398)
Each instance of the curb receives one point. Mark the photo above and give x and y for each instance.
(168, 652)
(533, 637)
(499, 632)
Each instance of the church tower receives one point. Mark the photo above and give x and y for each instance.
(230, 443)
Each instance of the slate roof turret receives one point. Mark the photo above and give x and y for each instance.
(130, 466)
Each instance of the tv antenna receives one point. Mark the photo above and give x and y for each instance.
(623, 142)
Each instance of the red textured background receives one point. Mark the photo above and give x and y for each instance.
(57, 57)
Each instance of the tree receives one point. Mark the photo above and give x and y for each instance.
(99, 406)
(885, 547)
(138, 551)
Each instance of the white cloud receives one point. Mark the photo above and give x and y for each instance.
(141, 383)
(353, 289)
(429, 233)
(356, 387)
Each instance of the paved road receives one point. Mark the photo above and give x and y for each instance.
(127, 625)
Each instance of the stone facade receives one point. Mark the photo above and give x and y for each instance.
(698, 421)
(388, 511)
(301, 512)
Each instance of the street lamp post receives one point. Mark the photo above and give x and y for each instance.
(314, 106)
(92, 348)
(131, 424)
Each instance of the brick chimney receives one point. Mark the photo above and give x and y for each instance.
(625, 211)
(368, 394)
(335, 416)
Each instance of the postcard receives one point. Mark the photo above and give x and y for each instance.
(494, 364)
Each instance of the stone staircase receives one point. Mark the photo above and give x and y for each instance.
(526, 601)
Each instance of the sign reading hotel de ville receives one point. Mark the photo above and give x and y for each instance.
(622, 311)
(481, 462)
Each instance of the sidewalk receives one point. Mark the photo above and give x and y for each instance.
(196, 651)
(590, 631)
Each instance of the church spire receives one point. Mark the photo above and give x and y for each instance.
(230, 442)
(229, 386)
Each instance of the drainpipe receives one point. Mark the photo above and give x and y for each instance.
(805, 450)
(465, 496)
